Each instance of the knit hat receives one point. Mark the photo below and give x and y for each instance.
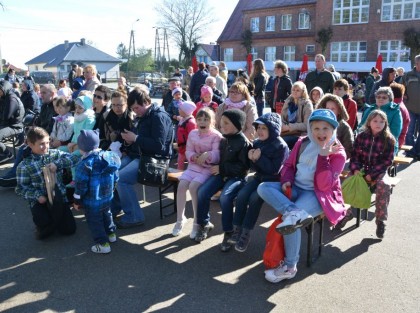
(88, 140)
(84, 101)
(175, 90)
(187, 107)
(206, 90)
(237, 117)
(325, 115)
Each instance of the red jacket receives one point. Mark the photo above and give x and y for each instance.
(182, 133)
(351, 107)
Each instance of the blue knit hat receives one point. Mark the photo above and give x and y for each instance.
(325, 115)
(88, 140)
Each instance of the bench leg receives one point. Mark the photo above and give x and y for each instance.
(160, 202)
(359, 217)
(321, 236)
(310, 230)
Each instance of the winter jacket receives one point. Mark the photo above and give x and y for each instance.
(370, 81)
(11, 108)
(346, 137)
(198, 80)
(260, 83)
(183, 131)
(405, 121)
(305, 109)
(234, 160)
(45, 119)
(351, 108)
(323, 79)
(85, 120)
(411, 81)
(381, 83)
(63, 128)
(283, 85)
(112, 127)
(29, 97)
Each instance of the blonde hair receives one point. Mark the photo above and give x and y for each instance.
(342, 115)
(302, 87)
(91, 67)
(242, 88)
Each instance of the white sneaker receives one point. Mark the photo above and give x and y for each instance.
(112, 237)
(177, 230)
(280, 273)
(294, 220)
(194, 231)
(104, 248)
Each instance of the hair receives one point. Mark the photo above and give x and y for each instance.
(342, 83)
(139, 95)
(397, 89)
(15, 85)
(61, 81)
(386, 132)
(79, 71)
(258, 68)
(86, 93)
(36, 133)
(417, 58)
(213, 79)
(74, 66)
(302, 86)
(105, 90)
(11, 70)
(215, 67)
(61, 101)
(244, 78)
(221, 63)
(91, 67)
(242, 88)
(119, 94)
(201, 66)
(50, 88)
(342, 115)
(321, 94)
(374, 70)
(387, 91)
(319, 55)
(37, 87)
(207, 113)
(282, 65)
(400, 69)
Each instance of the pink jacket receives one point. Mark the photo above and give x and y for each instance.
(327, 180)
(405, 121)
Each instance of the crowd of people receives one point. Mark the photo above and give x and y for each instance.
(94, 139)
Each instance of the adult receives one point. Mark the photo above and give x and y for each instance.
(174, 82)
(78, 83)
(11, 76)
(64, 90)
(320, 76)
(101, 97)
(45, 120)
(91, 81)
(11, 117)
(220, 82)
(400, 75)
(411, 81)
(223, 70)
(186, 81)
(259, 78)
(399, 90)
(282, 86)
(29, 97)
(123, 86)
(153, 136)
(72, 74)
(178, 74)
(197, 81)
(371, 79)
(388, 77)
(217, 94)
(336, 74)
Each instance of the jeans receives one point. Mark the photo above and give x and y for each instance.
(306, 200)
(127, 200)
(20, 154)
(412, 131)
(260, 102)
(229, 192)
(100, 224)
(248, 205)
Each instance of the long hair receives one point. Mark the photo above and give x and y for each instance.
(258, 68)
(342, 115)
(302, 87)
(386, 132)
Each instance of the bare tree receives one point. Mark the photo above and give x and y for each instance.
(185, 21)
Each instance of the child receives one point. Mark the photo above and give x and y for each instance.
(186, 125)
(96, 176)
(31, 185)
(173, 107)
(202, 152)
(341, 89)
(267, 155)
(229, 174)
(311, 174)
(206, 100)
(63, 125)
(373, 153)
(315, 95)
(64, 90)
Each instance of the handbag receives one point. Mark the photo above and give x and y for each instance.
(356, 191)
(274, 246)
(153, 170)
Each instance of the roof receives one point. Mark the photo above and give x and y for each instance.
(211, 50)
(72, 52)
(233, 28)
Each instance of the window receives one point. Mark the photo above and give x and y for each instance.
(396, 10)
(348, 51)
(289, 53)
(255, 24)
(228, 55)
(270, 54)
(202, 58)
(310, 48)
(254, 53)
(393, 51)
(270, 23)
(304, 21)
(351, 11)
(286, 22)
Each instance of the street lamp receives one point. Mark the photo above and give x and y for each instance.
(129, 48)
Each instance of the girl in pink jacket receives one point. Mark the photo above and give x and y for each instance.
(202, 153)
(312, 172)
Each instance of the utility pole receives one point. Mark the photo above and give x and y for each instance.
(131, 45)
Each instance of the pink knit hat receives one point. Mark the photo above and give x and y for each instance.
(206, 90)
(187, 107)
(175, 90)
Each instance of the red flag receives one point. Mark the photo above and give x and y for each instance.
(194, 64)
(249, 63)
(379, 63)
(304, 68)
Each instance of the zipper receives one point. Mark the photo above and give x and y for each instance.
(371, 146)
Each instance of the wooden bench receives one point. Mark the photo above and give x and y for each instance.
(398, 160)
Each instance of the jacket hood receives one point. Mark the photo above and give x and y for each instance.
(273, 123)
(5, 86)
(109, 161)
(28, 84)
(385, 75)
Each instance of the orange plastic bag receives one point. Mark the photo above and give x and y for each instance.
(274, 246)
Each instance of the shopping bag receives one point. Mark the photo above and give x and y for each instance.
(356, 191)
(274, 246)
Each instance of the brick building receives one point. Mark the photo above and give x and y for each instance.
(287, 29)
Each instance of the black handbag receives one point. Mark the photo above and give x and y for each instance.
(153, 170)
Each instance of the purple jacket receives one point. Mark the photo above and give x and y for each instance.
(327, 180)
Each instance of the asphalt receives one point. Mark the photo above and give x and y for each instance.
(148, 270)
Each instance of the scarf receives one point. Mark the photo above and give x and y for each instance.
(292, 112)
(235, 105)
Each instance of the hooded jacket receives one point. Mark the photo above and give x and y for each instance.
(11, 108)
(29, 97)
(411, 81)
(381, 83)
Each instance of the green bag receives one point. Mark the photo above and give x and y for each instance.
(356, 191)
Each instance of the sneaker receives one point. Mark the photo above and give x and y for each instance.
(112, 237)
(5, 157)
(280, 273)
(225, 245)
(101, 248)
(294, 220)
(194, 231)
(203, 232)
(235, 236)
(178, 228)
(243, 241)
(348, 217)
(380, 229)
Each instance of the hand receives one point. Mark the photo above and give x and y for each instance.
(285, 186)
(202, 158)
(52, 167)
(214, 169)
(251, 154)
(368, 178)
(42, 199)
(356, 172)
(257, 154)
(179, 118)
(70, 146)
(329, 148)
(285, 128)
(128, 136)
(55, 143)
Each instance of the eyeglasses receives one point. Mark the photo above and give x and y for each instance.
(98, 97)
(235, 93)
(382, 97)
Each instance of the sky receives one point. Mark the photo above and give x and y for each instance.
(29, 28)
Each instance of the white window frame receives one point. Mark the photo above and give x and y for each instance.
(255, 24)
(228, 54)
(393, 51)
(289, 53)
(401, 10)
(286, 22)
(348, 51)
(304, 21)
(270, 23)
(254, 53)
(350, 12)
(270, 54)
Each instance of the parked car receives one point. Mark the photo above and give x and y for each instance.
(44, 77)
(154, 78)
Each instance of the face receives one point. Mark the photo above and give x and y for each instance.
(79, 109)
(173, 84)
(316, 95)
(296, 92)
(119, 105)
(99, 100)
(333, 107)
(278, 71)
(262, 132)
(121, 81)
(236, 96)
(213, 71)
(227, 127)
(381, 99)
(41, 146)
(391, 76)
(206, 98)
(46, 95)
(203, 124)
(339, 91)
(177, 96)
(88, 73)
(322, 132)
(190, 70)
(210, 83)
(62, 110)
(139, 110)
(23, 86)
(319, 63)
(377, 124)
